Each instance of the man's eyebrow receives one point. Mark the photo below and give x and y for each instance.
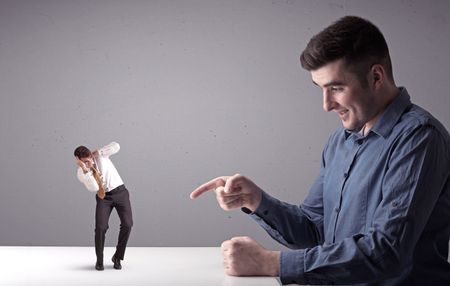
(331, 83)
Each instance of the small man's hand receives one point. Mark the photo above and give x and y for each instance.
(243, 256)
(232, 192)
(81, 164)
(95, 154)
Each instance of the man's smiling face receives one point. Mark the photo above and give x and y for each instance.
(343, 93)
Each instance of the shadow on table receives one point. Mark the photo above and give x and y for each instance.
(88, 267)
(249, 281)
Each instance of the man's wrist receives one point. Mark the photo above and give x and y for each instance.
(273, 265)
(254, 204)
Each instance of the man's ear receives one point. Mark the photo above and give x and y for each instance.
(377, 76)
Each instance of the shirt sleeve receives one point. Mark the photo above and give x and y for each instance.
(278, 218)
(291, 225)
(110, 149)
(87, 179)
(416, 173)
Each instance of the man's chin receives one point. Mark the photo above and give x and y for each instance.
(352, 128)
(349, 127)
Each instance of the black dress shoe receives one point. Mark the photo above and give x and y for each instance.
(116, 262)
(99, 266)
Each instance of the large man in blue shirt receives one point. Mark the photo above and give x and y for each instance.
(379, 211)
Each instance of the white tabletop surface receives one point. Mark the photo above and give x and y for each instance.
(142, 266)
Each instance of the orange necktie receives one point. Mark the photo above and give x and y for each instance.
(101, 189)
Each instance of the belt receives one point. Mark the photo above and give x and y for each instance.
(116, 190)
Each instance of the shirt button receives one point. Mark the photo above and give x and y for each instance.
(345, 175)
(337, 209)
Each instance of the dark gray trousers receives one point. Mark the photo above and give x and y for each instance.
(119, 199)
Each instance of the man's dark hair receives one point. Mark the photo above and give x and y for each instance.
(359, 42)
(82, 152)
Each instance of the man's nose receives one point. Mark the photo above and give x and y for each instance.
(328, 102)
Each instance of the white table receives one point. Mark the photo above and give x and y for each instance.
(142, 266)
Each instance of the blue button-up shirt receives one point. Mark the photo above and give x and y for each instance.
(379, 211)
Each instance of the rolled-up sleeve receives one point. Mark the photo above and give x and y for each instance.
(110, 149)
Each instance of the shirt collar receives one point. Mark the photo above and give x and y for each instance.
(390, 115)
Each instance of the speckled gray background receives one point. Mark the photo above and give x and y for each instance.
(191, 90)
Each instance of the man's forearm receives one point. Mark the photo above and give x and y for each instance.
(88, 180)
(108, 150)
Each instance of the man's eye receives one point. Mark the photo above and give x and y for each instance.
(335, 88)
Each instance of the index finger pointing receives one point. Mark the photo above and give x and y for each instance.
(214, 183)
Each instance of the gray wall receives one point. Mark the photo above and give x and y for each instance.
(191, 90)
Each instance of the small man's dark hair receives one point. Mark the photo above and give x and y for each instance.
(82, 152)
(356, 40)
